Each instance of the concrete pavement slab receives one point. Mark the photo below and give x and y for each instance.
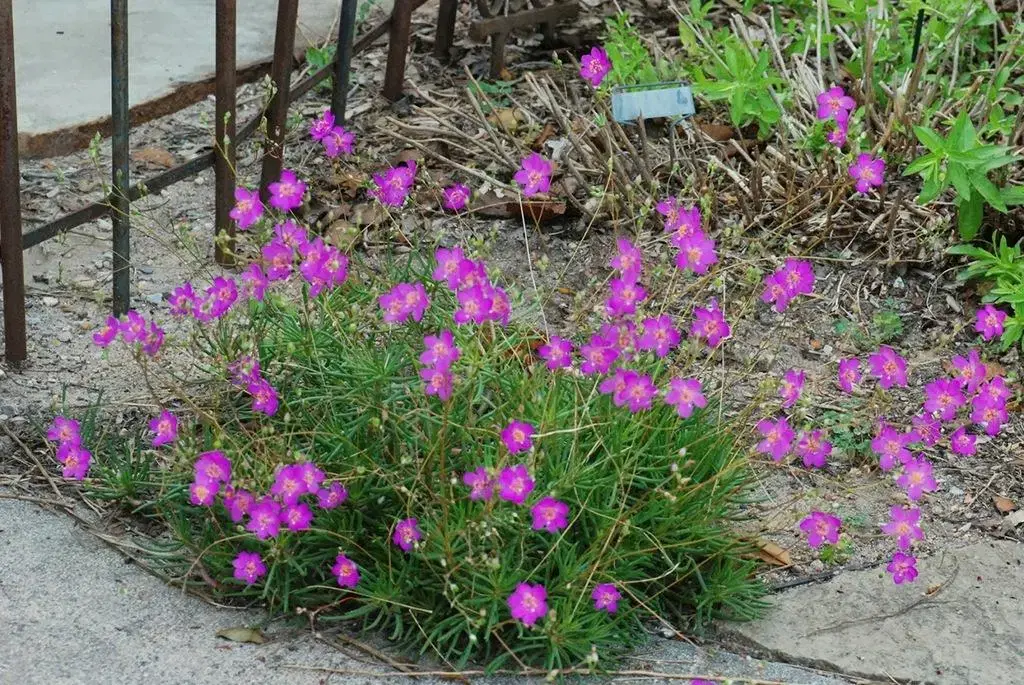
(62, 53)
(959, 622)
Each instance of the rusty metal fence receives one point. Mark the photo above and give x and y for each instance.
(117, 204)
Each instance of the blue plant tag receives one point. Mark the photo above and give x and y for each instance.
(672, 99)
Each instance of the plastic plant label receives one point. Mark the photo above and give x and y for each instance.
(672, 99)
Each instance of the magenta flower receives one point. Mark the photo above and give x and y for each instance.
(962, 442)
(557, 353)
(76, 460)
(500, 308)
(628, 260)
(888, 367)
(517, 437)
(685, 394)
(849, 373)
(289, 484)
(598, 355)
(291, 234)
(297, 517)
(891, 447)
(595, 65)
(615, 385)
(820, 528)
(528, 603)
(534, 174)
(238, 503)
(403, 301)
(904, 526)
(154, 340)
(659, 335)
(868, 172)
(456, 197)
(927, 429)
(916, 478)
(606, 597)
(164, 427)
(835, 104)
(440, 350)
(244, 370)
(696, 253)
(681, 222)
(332, 496)
(213, 467)
(624, 298)
(392, 187)
(903, 568)
(778, 438)
(797, 277)
(995, 390)
(249, 567)
(943, 397)
(450, 265)
(710, 325)
(133, 328)
(970, 371)
(989, 413)
(481, 486)
(638, 392)
(549, 514)
(407, 533)
(248, 209)
(837, 136)
(791, 387)
(812, 446)
(287, 193)
(278, 258)
(202, 493)
(437, 382)
(319, 129)
(345, 571)
(264, 396)
(775, 292)
(310, 475)
(515, 484)
(64, 431)
(474, 305)
(339, 142)
(107, 333)
(621, 335)
(990, 322)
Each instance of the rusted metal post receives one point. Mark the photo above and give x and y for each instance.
(15, 343)
(120, 203)
(398, 48)
(277, 110)
(447, 12)
(343, 58)
(224, 148)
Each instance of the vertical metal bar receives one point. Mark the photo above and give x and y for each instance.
(15, 343)
(918, 25)
(398, 48)
(224, 148)
(277, 110)
(447, 12)
(119, 200)
(343, 61)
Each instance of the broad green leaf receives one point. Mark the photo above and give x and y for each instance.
(1013, 195)
(958, 176)
(969, 217)
(921, 164)
(930, 139)
(988, 190)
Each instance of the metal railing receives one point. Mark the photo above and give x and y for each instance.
(117, 203)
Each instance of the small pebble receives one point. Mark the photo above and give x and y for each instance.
(50, 301)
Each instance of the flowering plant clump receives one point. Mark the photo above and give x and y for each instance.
(389, 440)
